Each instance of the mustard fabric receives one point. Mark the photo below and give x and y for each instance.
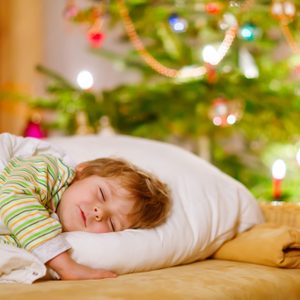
(206, 280)
(212, 279)
(267, 244)
(281, 213)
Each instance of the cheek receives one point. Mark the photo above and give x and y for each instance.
(79, 195)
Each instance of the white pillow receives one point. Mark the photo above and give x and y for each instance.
(209, 207)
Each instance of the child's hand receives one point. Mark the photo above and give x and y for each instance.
(68, 269)
(78, 271)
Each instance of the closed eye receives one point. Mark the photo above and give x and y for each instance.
(102, 194)
(112, 225)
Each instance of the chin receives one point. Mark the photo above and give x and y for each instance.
(67, 228)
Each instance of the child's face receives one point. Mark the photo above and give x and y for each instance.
(95, 204)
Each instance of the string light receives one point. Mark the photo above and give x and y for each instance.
(284, 12)
(177, 24)
(289, 37)
(154, 63)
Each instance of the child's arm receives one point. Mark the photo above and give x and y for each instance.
(68, 269)
(29, 191)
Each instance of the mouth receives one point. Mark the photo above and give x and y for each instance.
(83, 217)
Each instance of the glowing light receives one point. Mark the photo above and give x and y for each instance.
(246, 33)
(289, 8)
(180, 26)
(85, 80)
(210, 55)
(277, 8)
(177, 24)
(251, 72)
(231, 119)
(247, 64)
(217, 121)
(228, 20)
(298, 157)
(279, 169)
(190, 72)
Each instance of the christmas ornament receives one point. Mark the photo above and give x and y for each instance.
(230, 35)
(82, 124)
(95, 36)
(248, 31)
(283, 10)
(93, 16)
(224, 112)
(105, 127)
(177, 24)
(228, 20)
(235, 4)
(70, 10)
(211, 73)
(247, 64)
(213, 8)
(88, 15)
(34, 128)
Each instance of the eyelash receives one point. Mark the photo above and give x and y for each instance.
(103, 199)
(112, 225)
(102, 195)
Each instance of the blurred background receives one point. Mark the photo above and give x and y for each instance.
(218, 78)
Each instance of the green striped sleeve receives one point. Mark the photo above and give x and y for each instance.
(30, 191)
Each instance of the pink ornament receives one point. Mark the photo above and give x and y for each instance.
(70, 11)
(34, 129)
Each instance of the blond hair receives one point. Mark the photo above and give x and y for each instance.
(151, 196)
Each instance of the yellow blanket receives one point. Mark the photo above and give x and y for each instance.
(266, 244)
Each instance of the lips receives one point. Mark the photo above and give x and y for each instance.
(83, 217)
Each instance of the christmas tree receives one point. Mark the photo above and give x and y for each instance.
(217, 77)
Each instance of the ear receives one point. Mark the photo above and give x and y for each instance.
(79, 168)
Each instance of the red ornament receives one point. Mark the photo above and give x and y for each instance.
(224, 112)
(96, 38)
(211, 73)
(213, 8)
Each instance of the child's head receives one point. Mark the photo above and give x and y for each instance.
(115, 193)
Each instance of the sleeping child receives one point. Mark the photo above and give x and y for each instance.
(40, 196)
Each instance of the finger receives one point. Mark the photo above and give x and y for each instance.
(108, 274)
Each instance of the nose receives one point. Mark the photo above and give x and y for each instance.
(98, 214)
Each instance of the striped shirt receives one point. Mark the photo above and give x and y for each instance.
(30, 191)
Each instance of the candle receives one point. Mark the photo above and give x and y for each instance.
(278, 173)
